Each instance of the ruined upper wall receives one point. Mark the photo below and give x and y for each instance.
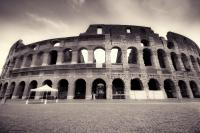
(183, 42)
(115, 32)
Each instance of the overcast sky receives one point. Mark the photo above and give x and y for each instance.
(35, 20)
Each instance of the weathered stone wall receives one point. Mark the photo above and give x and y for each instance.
(21, 64)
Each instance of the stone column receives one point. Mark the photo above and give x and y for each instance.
(90, 56)
(54, 85)
(178, 92)
(124, 58)
(74, 57)
(109, 89)
(24, 62)
(45, 59)
(15, 92)
(168, 57)
(127, 88)
(189, 91)
(26, 90)
(108, 58)
(59, 58)
(38, 94)
(71, 90)
(88, 90)
(163, 90)
(181, 63)
(145, 85)
(140, 59)
(34, 60)
(191, 65)
(155, 60)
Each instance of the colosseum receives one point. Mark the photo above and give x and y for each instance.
(105, 62)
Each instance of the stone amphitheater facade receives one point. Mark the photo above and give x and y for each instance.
(146, 66)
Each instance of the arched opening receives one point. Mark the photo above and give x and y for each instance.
(195, 89)
(183, 88)
(20, 89)
(53, 57)
(99, 89)
(136, 84)
(147, 57)
(83, 55)
(99, 30)
(99, 55)
(194, 63)
(175, 61)
(116, 55)
(132, 55)
(62, 89)
(67, 55)
(32, 85)
(57, 44)
(198, 61)
(49, 83)
(11, 88)
(170, 88)
(153, 84)
(39, 60)
(170, 45)
(28, 60)
(5, 86)
(19, 62)
(118, 89)
(145, 42)
(80, 89)
(162, 58)
(185, 62)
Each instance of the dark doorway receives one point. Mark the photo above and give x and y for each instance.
(62, 89)
(147, 57)
(195, 89)
(170, 88)
(53, 57)
(12, 87)
(118, 89)
(32, 85)
(162, 58)
(47, 94)
(99, 89)
(175, 61)
(132, 57)
(183, 88)
(145, 42)
(67, 55)
(136, 84)
(20, 89)
(80, 89)
(153, 84)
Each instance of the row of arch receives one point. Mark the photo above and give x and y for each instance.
(99, 87)
(116, 57)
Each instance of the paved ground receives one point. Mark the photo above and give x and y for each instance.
(101, 116)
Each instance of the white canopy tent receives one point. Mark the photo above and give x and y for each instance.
(44, 88)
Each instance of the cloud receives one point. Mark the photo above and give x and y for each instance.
(44, 21)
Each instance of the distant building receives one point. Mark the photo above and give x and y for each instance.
(146, 66)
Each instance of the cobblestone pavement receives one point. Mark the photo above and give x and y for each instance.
(110, 117)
